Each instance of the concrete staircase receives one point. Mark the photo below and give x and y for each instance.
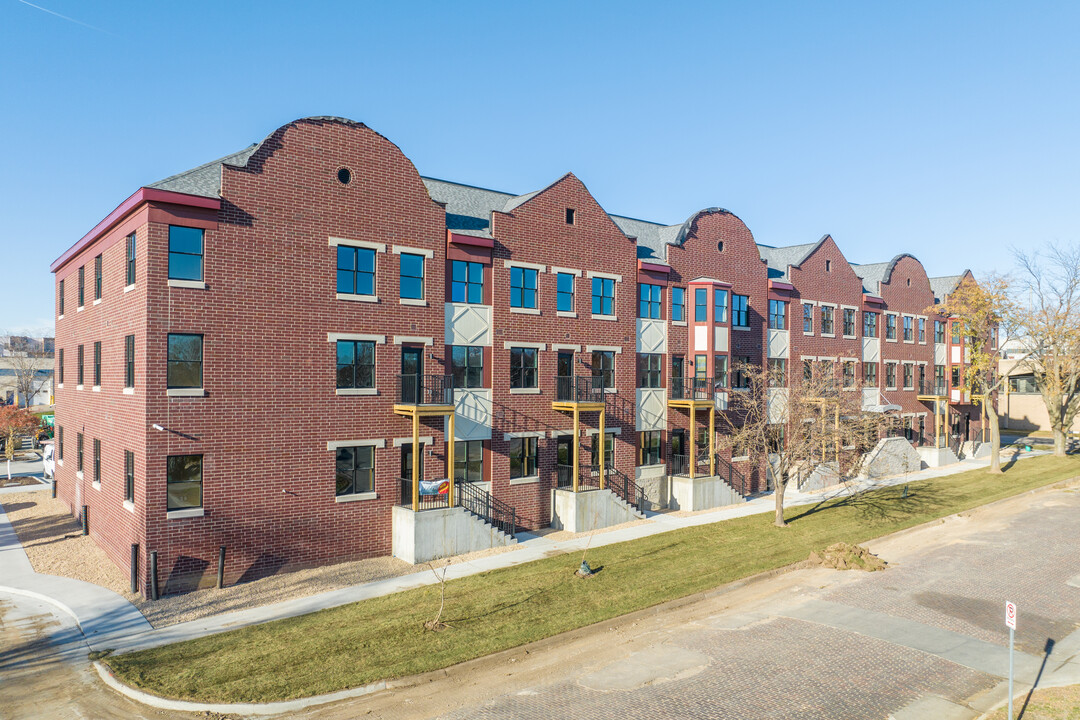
(590, 510)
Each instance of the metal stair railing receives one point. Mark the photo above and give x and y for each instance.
(485, 506)
(623, 487)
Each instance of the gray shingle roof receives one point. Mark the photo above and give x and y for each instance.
(872, 275)
(468, 208)
(942, 286)
(779, 259)
(205, 180)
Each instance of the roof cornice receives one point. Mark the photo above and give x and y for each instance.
(141, 196)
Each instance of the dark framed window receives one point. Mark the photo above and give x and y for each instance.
(778, 371)
(79, 452)
(129, 361)
(603, 296)
(609, 449)
(97, 364)
(890, 327)
(957, 381)
(522, 287)
(701, 305)
(869, 324)
(467, 366)
(185, 253)
(678, 304)
(649, 370)
(740, 310)
(355, 364)
(411, 276)
(466, 282)
(523, 367)
(564, 292)
(922, 377)
(82, 285)
(129, 476)
(469, 461)
(870, 373)
(848, 370)
(130, 246)
(939, 331)
(184, 481)
(701, 366)
(79, 367)
(185, 361)
(648, 301)
(355, 470)
(890, 375)
(720, 306)
(650, 448)
(922, 330)
(97, 277)
(97, 461)
(955, 325)
(60, 299)
(742, 374)
(355, 270)
(720, 371)
(59, 442)
(909, 376)
(849, 322)
(60, 366)
(827, 320)
(603, 368)
(939, 376)
(909, 335)
(522, 457)
(807, 318)
(777, 315)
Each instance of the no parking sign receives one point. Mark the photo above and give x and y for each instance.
(1010, 615)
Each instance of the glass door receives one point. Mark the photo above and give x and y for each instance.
(412, 371)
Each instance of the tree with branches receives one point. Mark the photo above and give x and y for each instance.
(985, 311)
(30, 368)
(1048, 330)
(13, 422)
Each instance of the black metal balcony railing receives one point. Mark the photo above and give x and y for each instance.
(426, 389)
(589, 479)
(468, 495)
(932, 386)
(430, 497)
(579, 388)
(691, 388)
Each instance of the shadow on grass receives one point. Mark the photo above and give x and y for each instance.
(889, 504)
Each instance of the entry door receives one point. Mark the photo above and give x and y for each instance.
(564, 385)
(412, 368)
(677, 376)
(564, 450)
(407, 461)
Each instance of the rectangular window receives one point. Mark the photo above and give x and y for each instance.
(411, 280)
(60, 442)
(922, 330)
(870, 373)
(890, 375)
(701, 366)
(185, 361)
(186, 254)
(603, 296)
(909, 335)
(742, 374)
(955, 324)
(355, 364)
(869, 324)
(60, 299)
(849, 373)
(523, 367)
(777, 371)
(890, 327)
(678, 304)
(956, 380)
(740, 310)
(79, 452)
(129, 361)
(939, 331)
(130, 245)
(522, 287)
(808, 319)
(469, 461)
(522, 457)
(649, 370)
(720, 371)
(82, 285)
(467, 366)
(79, 368)
(650, 447)
(648, 301)
(355, 270)
(909, 376)
(603, 368)
(355, 470)
(96, 477)
(564, 292)
(720, 306)
(97, 277)
(849, 322)
(827, 320)
(777, 315)
(701, 307)
(97, 364)
(60, 365)
(609, 450)
(129, 476)
(939, 376)
(467, 282)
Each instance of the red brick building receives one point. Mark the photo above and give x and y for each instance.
(267, 353)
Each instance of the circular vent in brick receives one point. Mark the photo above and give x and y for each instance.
(344, 175)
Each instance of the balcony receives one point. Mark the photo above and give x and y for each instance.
(425, 395)
(933, 389)
(691, 392)
(576, 392)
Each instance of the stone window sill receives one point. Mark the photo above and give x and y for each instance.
(357, 391)
(96, 486)
(744, 328)
(78, 387)
(524, 391)
(356, 497)
(129, 391)
(525, 311)
(741, 458)
(191, 284)
(60, 386)
(95, 388)
(532, 479)
(78, 474)
(127, 289)
(358, 298)
(565, 314)
(129, 506)
(181, 514)
(417, 302)
(96, 302)
(680, 323)
(610, 318)
(185, 392)
(79, 309)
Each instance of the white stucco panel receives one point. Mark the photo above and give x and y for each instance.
(472, 414)
(778, 398)
(701, 338)
(720, 339)
(468, 324)
(651, 409)
(779, 344)
(871, 349)
(651, 336)
(940, 355)
(954, 354)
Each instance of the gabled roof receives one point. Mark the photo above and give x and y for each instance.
(205, 180)
(468, 208)
(943, 286)
(872, 274)
(779, 259)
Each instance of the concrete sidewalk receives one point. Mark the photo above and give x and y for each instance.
(111, 622)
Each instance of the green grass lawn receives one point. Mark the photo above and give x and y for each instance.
(384, 637)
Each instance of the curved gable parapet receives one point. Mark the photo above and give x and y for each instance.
(690, 226)
(892, 266)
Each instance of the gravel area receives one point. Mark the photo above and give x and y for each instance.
(19, 481)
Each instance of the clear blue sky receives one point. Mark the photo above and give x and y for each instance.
(947, 130)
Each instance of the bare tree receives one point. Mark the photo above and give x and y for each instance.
(985, 310)
(793, 427)
(30, 368)
(1048, 329)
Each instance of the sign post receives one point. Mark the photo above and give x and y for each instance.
(1010, 620)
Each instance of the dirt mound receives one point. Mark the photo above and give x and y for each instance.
(841, 556)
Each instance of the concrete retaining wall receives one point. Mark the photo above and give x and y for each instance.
(891, 456)
(702, 493)
(824, 475)
(653, 480)
(937, 457)
(430, 534)
(591, 510)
